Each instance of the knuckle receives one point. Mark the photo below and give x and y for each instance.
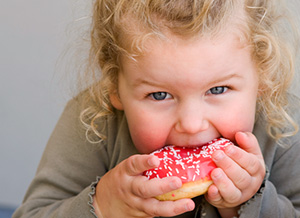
(227, 167)
(238, 153)
(141, 191)
(164, 186)
(132, 165)
(252, 165)
(234, 198)
(243, 181)
(255, 166)
(153, 210)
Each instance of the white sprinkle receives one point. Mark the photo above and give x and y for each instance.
(197, 155)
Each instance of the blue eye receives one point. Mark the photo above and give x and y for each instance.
(218, 90)
(160, 95)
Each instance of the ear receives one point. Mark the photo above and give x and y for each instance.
(116, 101)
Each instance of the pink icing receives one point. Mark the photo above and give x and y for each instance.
(189, 164)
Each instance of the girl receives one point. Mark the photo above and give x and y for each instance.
(183, 73)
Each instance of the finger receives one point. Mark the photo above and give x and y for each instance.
(157, 208)
(213, 196)
(137, 164)
(248, 142)
(145, 188)
(226, 188)
(239, 176)
(249, 162)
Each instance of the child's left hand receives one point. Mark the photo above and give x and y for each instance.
(239, 175)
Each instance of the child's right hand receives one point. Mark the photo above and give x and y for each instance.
(125, 192)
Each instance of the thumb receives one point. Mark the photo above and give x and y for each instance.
(137, 164)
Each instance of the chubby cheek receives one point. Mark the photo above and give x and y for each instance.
(147, 135)
(237, 121)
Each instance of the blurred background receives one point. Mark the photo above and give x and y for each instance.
(34, 83)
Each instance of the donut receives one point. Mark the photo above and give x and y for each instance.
(192, 165)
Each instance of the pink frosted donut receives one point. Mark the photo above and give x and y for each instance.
(192, 165)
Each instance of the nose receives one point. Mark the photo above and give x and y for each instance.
(192, 119)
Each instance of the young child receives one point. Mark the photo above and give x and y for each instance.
(183, 73)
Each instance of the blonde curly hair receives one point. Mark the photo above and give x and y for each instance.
(261, 26)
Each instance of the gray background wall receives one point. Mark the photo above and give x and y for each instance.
(32, 37)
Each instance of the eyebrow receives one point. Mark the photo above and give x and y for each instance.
(142, 81)
(224, 78)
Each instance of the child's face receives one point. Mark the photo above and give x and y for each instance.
(186, 93)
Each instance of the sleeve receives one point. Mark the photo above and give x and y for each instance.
(280, 193)
(68, 169)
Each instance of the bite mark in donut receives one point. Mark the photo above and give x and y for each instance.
(192, 165)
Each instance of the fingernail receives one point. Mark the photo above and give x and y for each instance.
(244, 134)
(153, 162)
(189, 207)
(214, 192)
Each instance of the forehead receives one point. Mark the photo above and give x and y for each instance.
(136, 34)
(187, 60)
(139, 42)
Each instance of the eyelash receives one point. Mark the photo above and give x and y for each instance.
(166, 95)
(159, 98)
(224, 89)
